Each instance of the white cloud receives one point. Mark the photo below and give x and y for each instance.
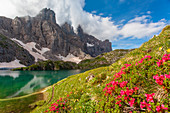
(139, 19)
(71, 11)
(140, 27)
(121, 21)
(148, 12)
(93, 12)
(101, 14)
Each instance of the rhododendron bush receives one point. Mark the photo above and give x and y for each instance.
(127, 95)
(135, 88)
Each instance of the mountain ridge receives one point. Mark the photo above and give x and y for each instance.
(102, 60)
(46, 33)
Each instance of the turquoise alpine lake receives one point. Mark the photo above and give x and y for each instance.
(19, 83)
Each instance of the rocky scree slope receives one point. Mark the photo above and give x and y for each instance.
(104, 59)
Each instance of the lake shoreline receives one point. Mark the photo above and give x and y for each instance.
(19, 83)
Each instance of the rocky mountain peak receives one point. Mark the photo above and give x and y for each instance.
(67, 28)
(80, 31)
(48, 40)
(47, 14)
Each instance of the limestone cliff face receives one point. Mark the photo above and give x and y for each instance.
(93, 46)
(10, 51)
(46, 33)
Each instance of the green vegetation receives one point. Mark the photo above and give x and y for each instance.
(102, 60)
(19, 104)
(49, 65)
(84, 92)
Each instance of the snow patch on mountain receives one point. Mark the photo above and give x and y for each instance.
(70, 57)
(90, 45)
(30, 46)
(12, 64)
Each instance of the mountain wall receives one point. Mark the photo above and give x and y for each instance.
(42, 31)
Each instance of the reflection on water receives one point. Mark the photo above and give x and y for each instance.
(17, 83)
(13, 74)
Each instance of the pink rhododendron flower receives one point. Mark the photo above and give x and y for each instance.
(136, 88)
(149, 97)
(167, 76)
(131, 102)
(159, 79)
(52, 108)
(147, 56)
(164, 59)
(123, 84)
(114, 83)
(163, 107)
(118, 102)
(141, 61)
(125, 98)
(54, 104)
(127, 65)
(159, 63)
(160, 108)
(144, 104)
(122, 92)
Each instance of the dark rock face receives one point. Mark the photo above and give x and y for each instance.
(93, 46)
(45, 32)
(10, 51)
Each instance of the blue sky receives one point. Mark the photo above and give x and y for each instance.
(126, 10)
(126, 23)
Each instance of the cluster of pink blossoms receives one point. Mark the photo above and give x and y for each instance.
(165, 58)
(121, 72)
(161, 108)
(160, 79)
(126, 94)
(114, 85)
(149, 97)
(145, 105)
(145, 57)
(57, 106)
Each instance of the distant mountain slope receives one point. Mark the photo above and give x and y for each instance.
(104, 59)
(60, 42)
(12, 52)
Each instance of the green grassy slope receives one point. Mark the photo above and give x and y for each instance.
(19, 104)
(104, 59)
(86, 89)
(84, 92)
